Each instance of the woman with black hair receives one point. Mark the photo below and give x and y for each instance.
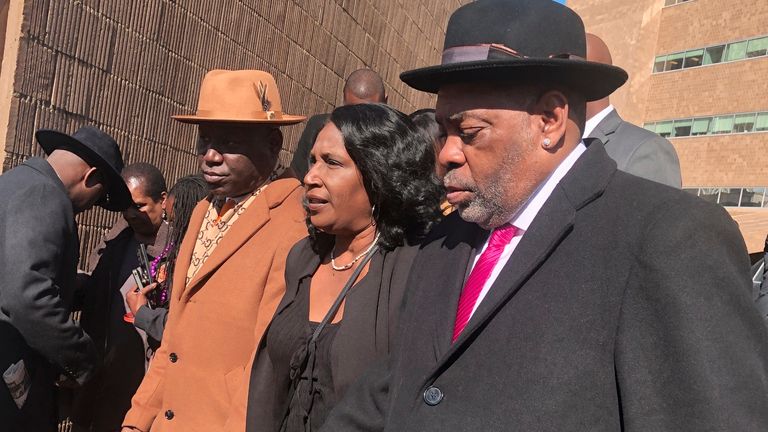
(182, 199)
(371, 195)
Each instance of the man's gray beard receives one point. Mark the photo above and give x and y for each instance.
(486, 209)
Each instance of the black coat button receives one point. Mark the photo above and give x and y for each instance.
(169, 415)
(173, 357)
(433, 396)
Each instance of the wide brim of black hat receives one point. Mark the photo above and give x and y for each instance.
(592, 80)
(118, 193)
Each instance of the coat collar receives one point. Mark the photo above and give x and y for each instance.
(586, 182)
(254, 218)
(607, 127)
(43, 167)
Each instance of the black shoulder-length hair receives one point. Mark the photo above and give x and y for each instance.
(397, 162)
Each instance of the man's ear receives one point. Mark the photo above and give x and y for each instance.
(553, 109)
(93, 177)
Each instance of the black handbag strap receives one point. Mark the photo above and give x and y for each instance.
(337, 303)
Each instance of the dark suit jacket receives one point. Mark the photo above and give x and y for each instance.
(300, 162)
(626, 306)
(39, 250)
(365, 334)
(638, 151)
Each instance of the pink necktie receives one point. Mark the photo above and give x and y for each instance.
(500, 237)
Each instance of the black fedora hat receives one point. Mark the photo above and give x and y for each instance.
(99, 150)
(511, 40)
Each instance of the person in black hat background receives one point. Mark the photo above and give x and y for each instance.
(39, 251)
(562, 294)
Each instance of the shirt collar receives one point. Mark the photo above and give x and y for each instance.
(525, 216)
(597, 118)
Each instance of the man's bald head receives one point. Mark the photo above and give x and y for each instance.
(598, 52)
(364, 86)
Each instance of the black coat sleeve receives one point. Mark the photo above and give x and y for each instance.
(32, 257)
(691, 350)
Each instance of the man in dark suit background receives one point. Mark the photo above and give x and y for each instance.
(39, 251)
(563, 294)
(636, 150)
(362, 86)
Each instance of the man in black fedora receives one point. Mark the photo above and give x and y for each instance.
(563, 295)
(39, 250)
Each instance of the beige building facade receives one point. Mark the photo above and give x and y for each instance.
(127, 65)
(698, 76)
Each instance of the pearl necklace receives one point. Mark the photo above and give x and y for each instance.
(357, 258)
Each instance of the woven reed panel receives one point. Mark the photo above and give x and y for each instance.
(127, 65)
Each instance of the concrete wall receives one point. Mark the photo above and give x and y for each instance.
(127, 65)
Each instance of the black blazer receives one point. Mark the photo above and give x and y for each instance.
(39, 250)
(365, 334)
(626, 306)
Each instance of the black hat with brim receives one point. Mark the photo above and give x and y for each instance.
(97, 149)
(517, 41)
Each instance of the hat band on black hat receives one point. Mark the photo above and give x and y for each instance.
(470, 53)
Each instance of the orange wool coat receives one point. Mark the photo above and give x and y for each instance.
(216, 321)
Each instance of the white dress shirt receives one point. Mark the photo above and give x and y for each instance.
(525, 216)
(592, 123)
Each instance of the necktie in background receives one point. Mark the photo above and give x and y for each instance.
(500, 238)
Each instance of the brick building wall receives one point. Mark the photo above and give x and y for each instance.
(127, 65)
(700, 23)
(630, 29)
(723, 88)
(724, 161)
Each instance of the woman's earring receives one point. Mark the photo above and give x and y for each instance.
(373, 219)
(547, 142)
(165, 215)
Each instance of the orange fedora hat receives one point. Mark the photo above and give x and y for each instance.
(241, 96)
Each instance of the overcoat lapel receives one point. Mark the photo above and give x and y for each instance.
(246, 226)
(184, 258)
(586, 181)
(254, 217)
(445, 265)
(607, 127)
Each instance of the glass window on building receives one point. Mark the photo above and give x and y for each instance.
(722, 125)
(693, 58)
(674, 62)
(700, 126)
(709, 194)
(683, 127)
(669, 3)
(658, 65)
(757, 47)
(752, 197)
(730, 197)
(650, 126)
(736, 51)
(714, 54)
(761, 123)
(664, 128)
(744, 122)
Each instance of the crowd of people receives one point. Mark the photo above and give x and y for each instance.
(517, 258)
